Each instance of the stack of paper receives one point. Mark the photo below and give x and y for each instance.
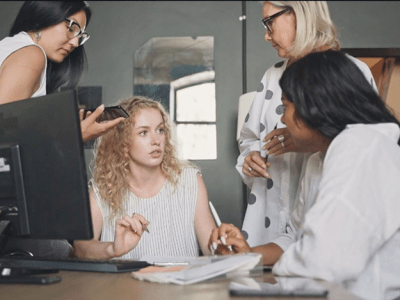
(191, 270)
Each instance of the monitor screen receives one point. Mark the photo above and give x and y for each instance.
(42, 168)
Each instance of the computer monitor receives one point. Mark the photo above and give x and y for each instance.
(43, 181)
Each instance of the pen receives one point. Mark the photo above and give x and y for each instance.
(145, 228)
(216, 218)
(266, 156)
(169, 264)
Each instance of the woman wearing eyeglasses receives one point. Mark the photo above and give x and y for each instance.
(294, 29)
(44, 51)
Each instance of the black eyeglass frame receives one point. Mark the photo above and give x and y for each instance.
(267, 19)
(81, 34)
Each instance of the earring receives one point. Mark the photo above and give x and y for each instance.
(38, 35)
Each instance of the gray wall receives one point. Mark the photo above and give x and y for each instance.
(361, 24)
(118, 29)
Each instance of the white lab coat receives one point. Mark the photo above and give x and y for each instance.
(351, 235)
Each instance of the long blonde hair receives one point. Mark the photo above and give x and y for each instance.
(111, 162)
(315, 30)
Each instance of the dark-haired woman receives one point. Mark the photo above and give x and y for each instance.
(294, 29)
(44, 51)
(351, 233)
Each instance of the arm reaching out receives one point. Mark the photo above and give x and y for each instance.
(92, 129)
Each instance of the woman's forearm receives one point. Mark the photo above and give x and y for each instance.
(271, 253)
(94, 249)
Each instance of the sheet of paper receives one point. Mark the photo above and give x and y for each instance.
(201, 268)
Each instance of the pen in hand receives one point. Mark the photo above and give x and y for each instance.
(218, 222)
(266, 155)
(145, 228)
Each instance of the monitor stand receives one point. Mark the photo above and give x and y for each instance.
(9, 274)
(13, 213)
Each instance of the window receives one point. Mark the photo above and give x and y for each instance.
(193, 110)
(179, 72)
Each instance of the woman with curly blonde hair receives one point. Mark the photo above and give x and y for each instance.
(139, 180)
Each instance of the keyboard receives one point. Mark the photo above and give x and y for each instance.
(74, 264)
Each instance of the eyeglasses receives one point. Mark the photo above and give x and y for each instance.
(267, 22)
(74, 30)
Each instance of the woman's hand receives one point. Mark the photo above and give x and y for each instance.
(279, 141)
(255, 166)
(92, 129)
(128, 232)
(227, 235)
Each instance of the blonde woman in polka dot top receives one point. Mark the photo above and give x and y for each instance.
(144, 200)
(294, 29)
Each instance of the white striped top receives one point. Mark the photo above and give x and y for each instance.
(171, 216)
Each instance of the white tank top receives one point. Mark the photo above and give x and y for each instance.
(171, 216)
(9, 45)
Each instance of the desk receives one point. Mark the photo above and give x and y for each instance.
(98, 286)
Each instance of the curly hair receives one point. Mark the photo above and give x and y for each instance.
(111, 161)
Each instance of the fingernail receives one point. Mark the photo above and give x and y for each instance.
(267, 175)
(268, 153)
(268, 141)
(223, 240)
(214, 246)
